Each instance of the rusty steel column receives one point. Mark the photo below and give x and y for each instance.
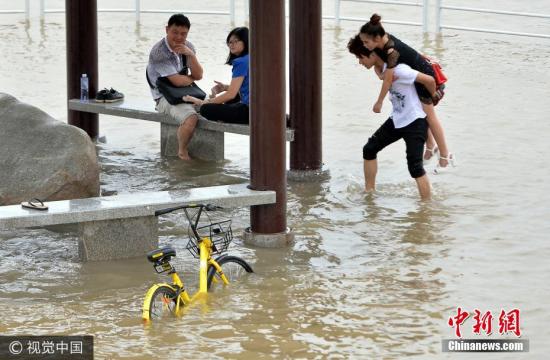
(305, 85)
(81, 34)
(267, 121)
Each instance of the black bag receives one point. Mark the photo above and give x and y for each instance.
(174, 94)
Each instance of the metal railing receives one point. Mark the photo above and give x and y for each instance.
(419, 3)
(138, 10)
(337, 17)
(441, 7)
(26, 11)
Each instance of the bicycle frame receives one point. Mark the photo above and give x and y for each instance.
(177, 285)
(205, 252)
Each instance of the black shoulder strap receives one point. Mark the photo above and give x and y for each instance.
(185, 69)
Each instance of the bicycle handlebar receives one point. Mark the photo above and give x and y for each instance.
(211, 207)
(207, 207)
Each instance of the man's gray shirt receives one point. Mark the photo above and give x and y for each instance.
(163, 62)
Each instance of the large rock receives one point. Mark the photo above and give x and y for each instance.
(43, 158)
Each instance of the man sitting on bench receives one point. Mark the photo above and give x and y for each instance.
(165, 59)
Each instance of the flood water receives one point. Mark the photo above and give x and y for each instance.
(368, 276)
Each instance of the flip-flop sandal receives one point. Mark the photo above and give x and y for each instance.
(35, 204)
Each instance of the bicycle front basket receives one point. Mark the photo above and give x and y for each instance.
(219, 233)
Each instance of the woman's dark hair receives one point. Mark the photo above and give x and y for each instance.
(373, 27)
(240, 33)
(179, 20)
(356, 47)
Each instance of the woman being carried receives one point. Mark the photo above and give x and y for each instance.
(229, 103)
(393, 52)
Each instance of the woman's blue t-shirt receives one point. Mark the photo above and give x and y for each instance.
(240, 68)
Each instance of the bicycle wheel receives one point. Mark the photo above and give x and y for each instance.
(163, 304)
(233, 267)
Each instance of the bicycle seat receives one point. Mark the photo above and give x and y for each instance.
(161, 255)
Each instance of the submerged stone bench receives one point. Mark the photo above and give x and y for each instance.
(124, 226)
(207, 142)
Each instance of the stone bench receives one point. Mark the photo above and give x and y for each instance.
(207, 142)
(124, 226)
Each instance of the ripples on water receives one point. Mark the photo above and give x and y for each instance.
(369, 276)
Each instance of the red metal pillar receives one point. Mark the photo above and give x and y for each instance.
(305, 84)
(267, 114)
(81, 31)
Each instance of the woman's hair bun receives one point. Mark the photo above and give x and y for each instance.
(375, 19)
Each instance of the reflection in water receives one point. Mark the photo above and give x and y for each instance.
(43, 35)
(27, 27)
(433, 46)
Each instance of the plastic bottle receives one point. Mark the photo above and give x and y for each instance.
(84, 87)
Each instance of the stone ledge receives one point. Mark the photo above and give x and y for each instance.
(146, 111)
(129, 205)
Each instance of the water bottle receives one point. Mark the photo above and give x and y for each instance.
(84, 87)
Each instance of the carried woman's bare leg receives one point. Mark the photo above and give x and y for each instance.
(438, 134)
(431, 148)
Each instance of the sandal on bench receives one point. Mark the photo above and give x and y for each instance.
(35, 204)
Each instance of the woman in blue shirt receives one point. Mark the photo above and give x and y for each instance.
(229, 103)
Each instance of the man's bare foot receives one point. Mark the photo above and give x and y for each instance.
(184, 155)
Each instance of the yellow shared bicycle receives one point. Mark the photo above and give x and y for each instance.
(206, 238)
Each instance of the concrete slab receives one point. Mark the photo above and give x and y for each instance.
(145, 110)
(129, 205)
(124, 226)
(205, 144)
(277, 240)
(117, 239)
